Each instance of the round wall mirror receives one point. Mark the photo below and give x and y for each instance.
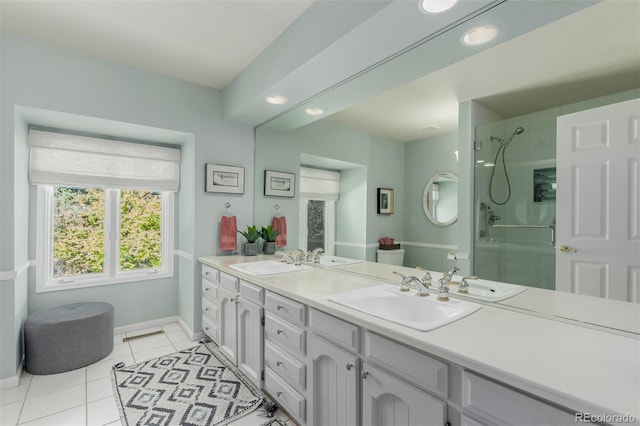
(440, 199)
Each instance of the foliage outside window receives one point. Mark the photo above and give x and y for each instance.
(93, 236)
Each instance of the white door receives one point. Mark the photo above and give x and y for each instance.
(250, 332)
(333, 379)
(388, 401)
(598, 202)
(227, 331)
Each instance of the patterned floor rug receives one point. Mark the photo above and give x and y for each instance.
(191, 387)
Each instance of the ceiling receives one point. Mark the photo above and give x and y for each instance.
(587, 54)
(590, 53)
(206, 41)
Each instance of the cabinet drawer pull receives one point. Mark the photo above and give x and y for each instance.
(206, 289)
(349, 366)
(364, 374)
(206, 309)
(233, 299)
(279, 331)
(206, 328)
(278, 363)
(279, 393)
(207, 273)
(279, 307)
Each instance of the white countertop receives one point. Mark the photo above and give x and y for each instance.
(584, 369)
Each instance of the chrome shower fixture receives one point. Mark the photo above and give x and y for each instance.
(501, 149)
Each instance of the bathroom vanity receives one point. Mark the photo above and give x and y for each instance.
(327, 364)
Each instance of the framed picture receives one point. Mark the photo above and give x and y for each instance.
(279, 184)
(227, 179)
(385, 201)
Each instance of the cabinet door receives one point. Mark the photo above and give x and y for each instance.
(333, 378)
(388, 401)
(250, 354)
(227, 333)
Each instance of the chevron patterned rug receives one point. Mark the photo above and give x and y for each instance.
(191, 387)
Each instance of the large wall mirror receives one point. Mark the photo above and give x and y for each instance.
(440, 199)
(390, 144)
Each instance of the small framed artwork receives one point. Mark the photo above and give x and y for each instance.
(385, 201)
(279, 184)
(227, 179)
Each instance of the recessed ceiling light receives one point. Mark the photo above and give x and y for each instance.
(435, 6)
(276, 99)
(314, 111)
(480, 35)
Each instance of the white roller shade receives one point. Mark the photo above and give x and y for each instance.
(318, 184)
(59, 159)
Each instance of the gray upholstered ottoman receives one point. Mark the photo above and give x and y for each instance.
(68, 337)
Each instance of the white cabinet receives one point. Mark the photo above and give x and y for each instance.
(285, 354)
(485, 399)
(333, 384)
(237, 328)
(389, 401)
(210, 287)
(227, 328)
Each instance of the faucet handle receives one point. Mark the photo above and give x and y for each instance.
(426, 278)
(404, 283)
(463, 287)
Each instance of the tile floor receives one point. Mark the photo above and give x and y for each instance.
(85, 396)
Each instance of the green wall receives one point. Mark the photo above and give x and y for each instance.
(40, 83)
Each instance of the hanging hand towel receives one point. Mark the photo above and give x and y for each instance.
(279, 223)
(228, 233)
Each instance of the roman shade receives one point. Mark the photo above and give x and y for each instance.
(71, 160)
(316, 184)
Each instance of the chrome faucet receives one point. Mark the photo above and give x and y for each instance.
(423, 290)
(443, 289)
(449, 275)
(286, 257)
(463, 288)
(315, 255)
(426, 278)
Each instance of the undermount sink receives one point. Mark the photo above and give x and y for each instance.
(329, 261)
(268, 267)
(405, 308)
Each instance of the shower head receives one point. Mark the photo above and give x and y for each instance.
(517, 131)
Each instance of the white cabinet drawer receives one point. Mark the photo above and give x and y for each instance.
(251, 292)
(210, 274)
(281, 331)
(229, 282)
(335, 330)
(209, 290)
(413, 366)
(210, 310)
(505, 406)
(291, 400)
(286, 308)
(285, 365)
(210, 329)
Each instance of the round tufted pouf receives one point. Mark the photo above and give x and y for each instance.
(68, 337)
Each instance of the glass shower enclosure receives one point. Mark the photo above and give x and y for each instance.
(514, 203)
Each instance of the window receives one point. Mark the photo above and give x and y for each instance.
(104, 212)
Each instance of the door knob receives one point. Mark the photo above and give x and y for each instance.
(567, 249)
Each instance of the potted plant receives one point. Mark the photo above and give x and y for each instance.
(269, 235)
(252, 235)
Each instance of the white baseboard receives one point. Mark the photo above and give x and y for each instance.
(14, 381)
(193, 336)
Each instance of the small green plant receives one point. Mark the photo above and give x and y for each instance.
(252, 234)
(269, 234)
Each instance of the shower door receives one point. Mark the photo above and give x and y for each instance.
(515, 212)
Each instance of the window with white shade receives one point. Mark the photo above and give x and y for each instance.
(319, 191)
(105, 210)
